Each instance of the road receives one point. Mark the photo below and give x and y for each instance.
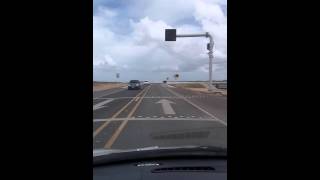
(158, 115)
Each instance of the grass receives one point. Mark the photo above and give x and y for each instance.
(97, 86)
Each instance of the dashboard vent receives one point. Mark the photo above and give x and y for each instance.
(184, 169)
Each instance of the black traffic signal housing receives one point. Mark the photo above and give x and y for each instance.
(170, 35)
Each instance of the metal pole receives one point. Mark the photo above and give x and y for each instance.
(210, 53)
(191, 35)
(210, 61)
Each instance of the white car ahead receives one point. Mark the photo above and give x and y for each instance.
(146, 83)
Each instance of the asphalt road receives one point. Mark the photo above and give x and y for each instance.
(158, 115)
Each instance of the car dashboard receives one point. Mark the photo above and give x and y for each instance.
(168, 169)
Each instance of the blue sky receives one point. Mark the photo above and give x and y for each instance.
(129, 39)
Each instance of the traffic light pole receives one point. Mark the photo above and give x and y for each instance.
(210, 53)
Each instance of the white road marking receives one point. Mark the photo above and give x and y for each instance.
(196, 106)
(100, 120)
(100, 105)
(99, 129)
(166, 106)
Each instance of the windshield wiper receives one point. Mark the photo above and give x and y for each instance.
(104, 156)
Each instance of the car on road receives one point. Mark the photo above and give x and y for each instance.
(146, 83)
(135, 84)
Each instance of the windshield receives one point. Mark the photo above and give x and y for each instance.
(134, 81)
(178, 51)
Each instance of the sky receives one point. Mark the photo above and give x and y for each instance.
(128, 38)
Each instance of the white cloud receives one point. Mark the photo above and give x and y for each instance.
(143, 51)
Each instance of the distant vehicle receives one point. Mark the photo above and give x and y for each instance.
(164, 81)
(135, 84)
(146, 83)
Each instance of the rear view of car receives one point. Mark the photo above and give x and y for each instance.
(146, 83)
(134, 84)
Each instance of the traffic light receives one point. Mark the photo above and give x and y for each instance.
(170, 35)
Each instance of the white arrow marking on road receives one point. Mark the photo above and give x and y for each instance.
(166, 106)
(100, 105)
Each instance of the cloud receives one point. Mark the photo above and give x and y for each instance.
(141, 49)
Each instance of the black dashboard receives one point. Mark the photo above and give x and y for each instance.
(164, 169)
